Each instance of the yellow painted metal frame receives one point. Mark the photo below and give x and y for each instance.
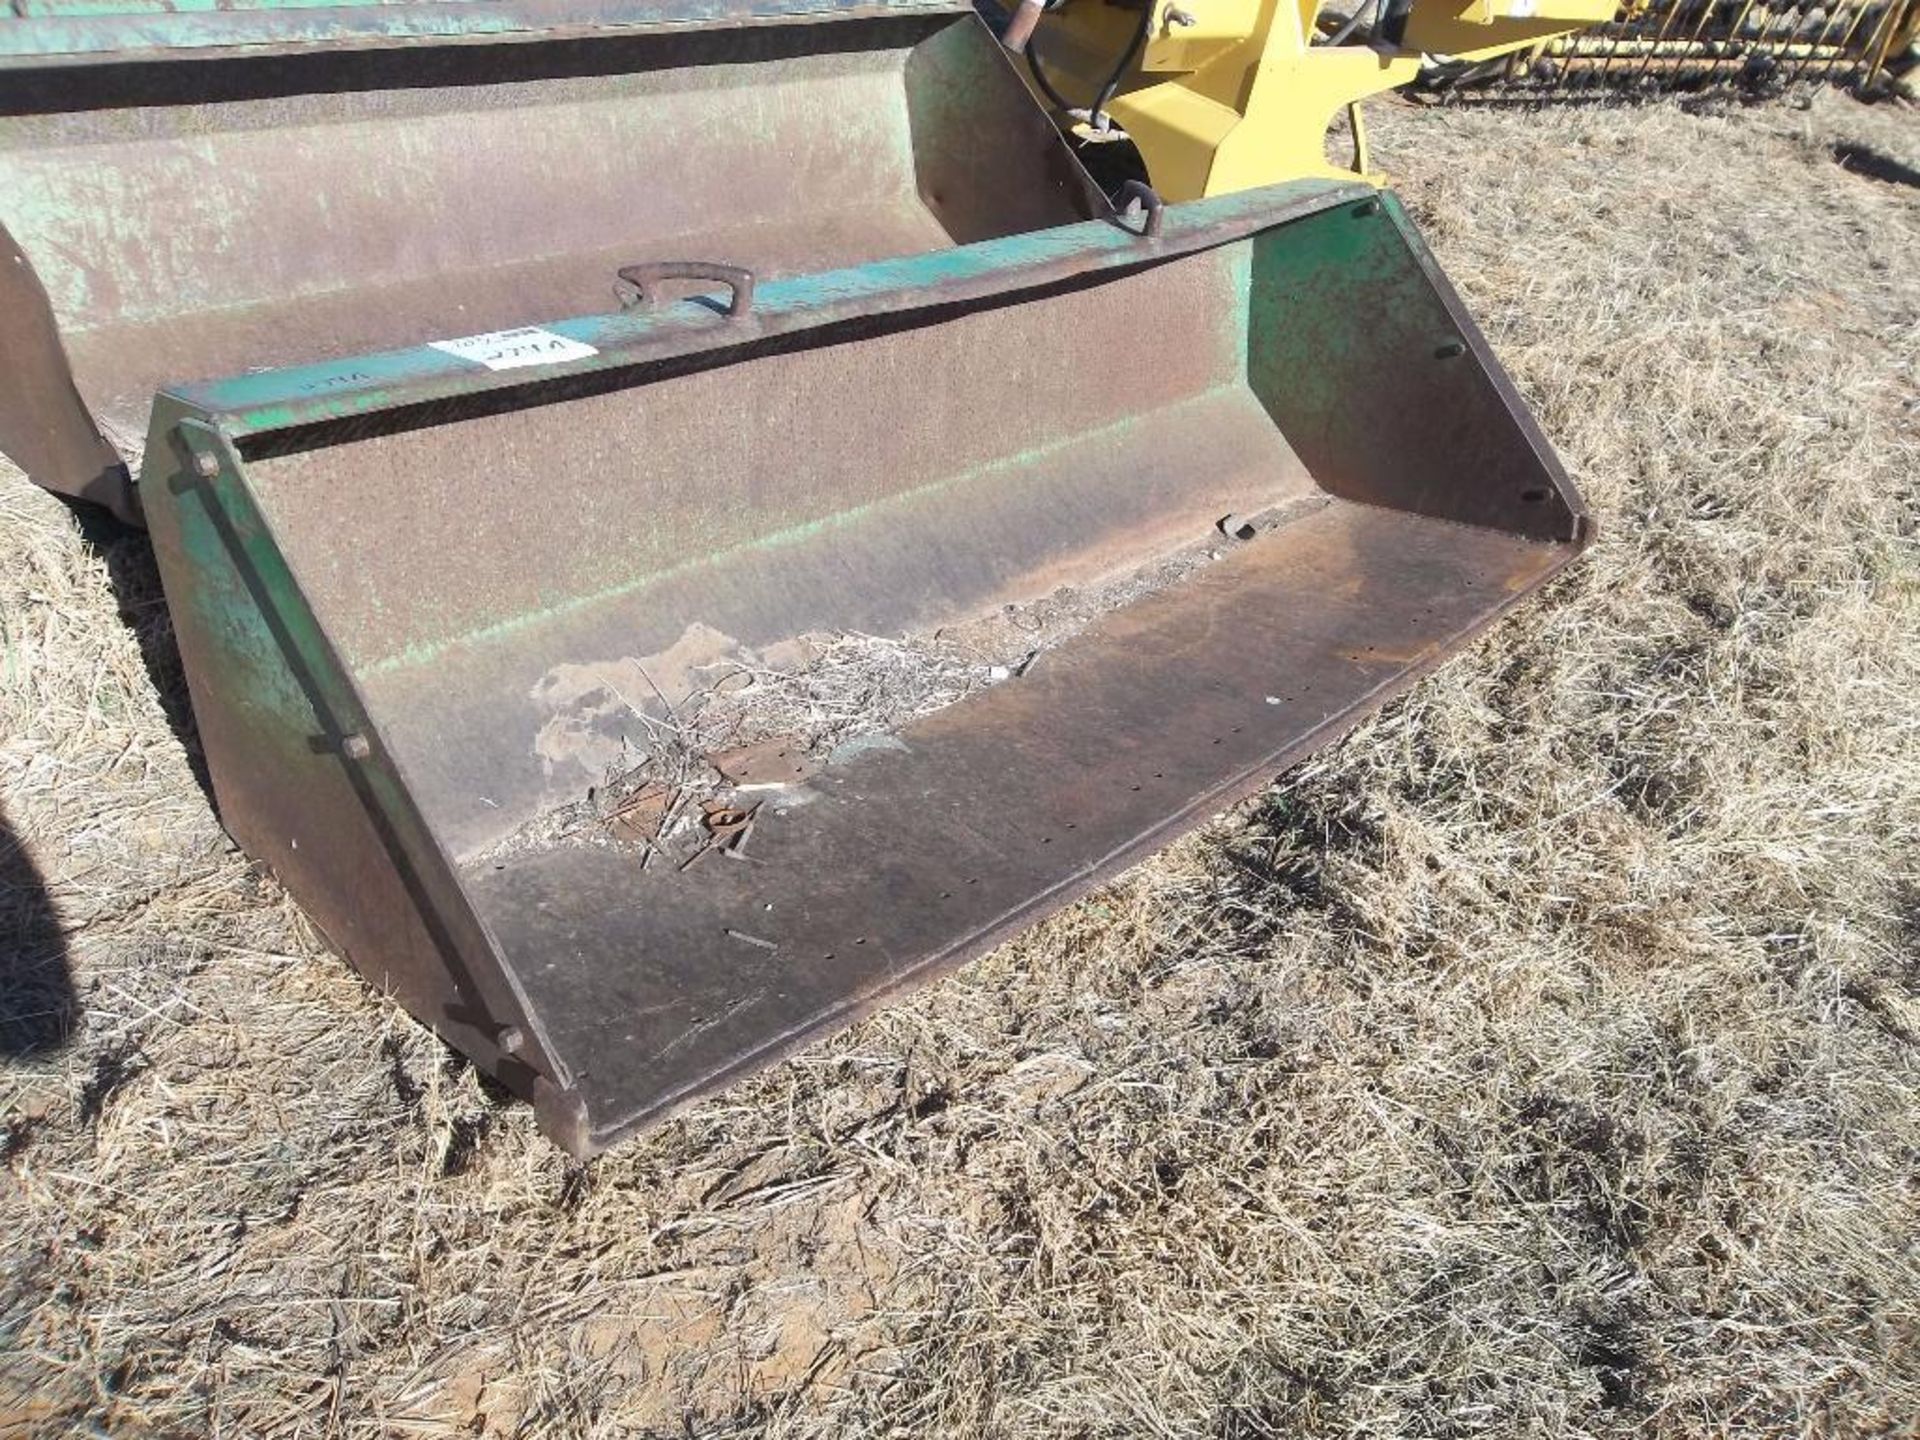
(1232, 94)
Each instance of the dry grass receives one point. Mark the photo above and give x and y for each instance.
(1541, 1061)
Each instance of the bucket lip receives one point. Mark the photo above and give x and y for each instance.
(266, 401)
(143, 30)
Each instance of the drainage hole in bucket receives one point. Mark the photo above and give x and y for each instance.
(1449, 350)
(1534, 496)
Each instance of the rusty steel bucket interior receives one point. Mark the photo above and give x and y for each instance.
(434, 614)
(200, 215)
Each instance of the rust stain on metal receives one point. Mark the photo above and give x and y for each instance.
(780, 761)
(638, 817)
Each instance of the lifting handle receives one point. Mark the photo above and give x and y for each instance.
(1148, 197)
(646, 279)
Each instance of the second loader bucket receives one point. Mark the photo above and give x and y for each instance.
(207, 214)
(640, 714)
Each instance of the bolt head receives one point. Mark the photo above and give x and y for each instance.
(206, 465)
(511, 1039)
(356, 747)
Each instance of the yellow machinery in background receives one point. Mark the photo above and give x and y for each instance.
(1223, 95)
(1754, 48)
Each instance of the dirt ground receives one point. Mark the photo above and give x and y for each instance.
(1540, 1061)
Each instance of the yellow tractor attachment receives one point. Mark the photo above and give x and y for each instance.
(1205, 97)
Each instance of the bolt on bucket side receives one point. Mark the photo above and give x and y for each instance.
(783, 659)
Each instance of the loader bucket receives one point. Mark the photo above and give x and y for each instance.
(214, 209)
(542, 688)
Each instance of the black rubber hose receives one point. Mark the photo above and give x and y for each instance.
(1040, 76)
(1345, 32)
(1105, 96)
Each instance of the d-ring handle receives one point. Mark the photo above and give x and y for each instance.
(1150, 198)
(646, 279)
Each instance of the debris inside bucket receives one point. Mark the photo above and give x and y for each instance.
(724, 729)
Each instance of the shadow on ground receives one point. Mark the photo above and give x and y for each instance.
(38, 1009)
(1864, 160)
(134, 574)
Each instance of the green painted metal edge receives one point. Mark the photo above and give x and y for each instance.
(205, 466)
(271, 400)
(118, 30)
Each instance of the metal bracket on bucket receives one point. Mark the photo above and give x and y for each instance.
(299, 759)
(1138, 197)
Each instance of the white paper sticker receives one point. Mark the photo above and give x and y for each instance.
(510, 349)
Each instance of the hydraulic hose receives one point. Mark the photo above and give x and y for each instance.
(1040, 76)
(1104, 96)
(1345, 32)
(1132, 52)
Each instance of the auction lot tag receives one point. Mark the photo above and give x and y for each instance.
(511, 349)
